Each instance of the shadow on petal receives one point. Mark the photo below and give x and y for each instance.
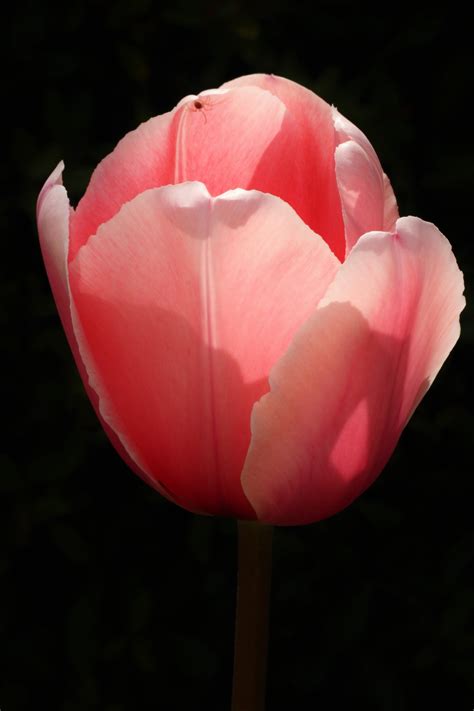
(337, 406)
(180, 408)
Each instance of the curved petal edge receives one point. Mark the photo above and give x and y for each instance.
(185, 301)
(367, 199)
(353, 375)
(53, 219)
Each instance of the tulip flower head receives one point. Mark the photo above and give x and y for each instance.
(253, 321)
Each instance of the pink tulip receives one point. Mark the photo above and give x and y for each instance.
(253, 322)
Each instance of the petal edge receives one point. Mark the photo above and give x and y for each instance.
(342, 394)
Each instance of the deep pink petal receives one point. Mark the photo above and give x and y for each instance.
(143, 159)
(368, 201)
(345, 389)
(185, 302)
(299, 167)
(53, 215)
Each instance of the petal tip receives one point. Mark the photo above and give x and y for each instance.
(54, 179)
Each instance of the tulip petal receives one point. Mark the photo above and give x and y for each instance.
(142, 159)
(353, 375)
(53, 213)
(53, 216)
(219, 144)
(185, 302)
(303, 153)
(222, 143)
(368, 201)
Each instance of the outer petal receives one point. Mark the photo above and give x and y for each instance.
(368, 201)
(53, 214)
(342, 394)
(186, 302)
(299, 167)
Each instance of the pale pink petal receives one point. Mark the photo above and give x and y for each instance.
(347, 131)
(185, 302)
(368, 201)
(345, 389)
(53, 215)
(54, 179)
(390, 212)
(299, 167)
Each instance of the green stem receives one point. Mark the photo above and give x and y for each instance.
(251, 623)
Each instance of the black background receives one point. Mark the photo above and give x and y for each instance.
(113, 599)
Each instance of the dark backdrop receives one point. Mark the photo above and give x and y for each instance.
(113, 599)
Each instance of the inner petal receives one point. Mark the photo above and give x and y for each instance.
(299, 166)
(217, 138)
(276, 137)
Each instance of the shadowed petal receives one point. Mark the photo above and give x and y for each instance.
(185, 302)
(353, 375)
(299, 166)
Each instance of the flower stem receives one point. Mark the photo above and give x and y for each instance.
(251, 623)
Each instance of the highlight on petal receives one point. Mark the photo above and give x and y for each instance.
(184, 302)
(368, 201)
(54, 179)
(353, 375)
(53, 216)
(53, 213)
(299, 165)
